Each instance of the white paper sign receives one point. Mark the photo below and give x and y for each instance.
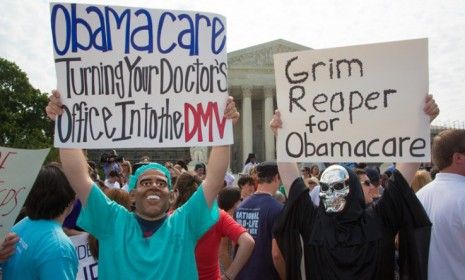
(134, 77)
(360, 103)
(18, 171)
(88, 266)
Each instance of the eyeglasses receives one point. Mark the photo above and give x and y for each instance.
(337, 186)
(159, 183)
(367, 183)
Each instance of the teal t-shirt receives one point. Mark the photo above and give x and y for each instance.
(42, 252)
(125, 254)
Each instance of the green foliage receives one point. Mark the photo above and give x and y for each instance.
(23, 121)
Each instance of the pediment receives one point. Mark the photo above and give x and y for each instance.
(262, 55)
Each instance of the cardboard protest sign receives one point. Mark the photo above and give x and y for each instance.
(360, 103)
(134, 77)
(88, 266)
(18, 171)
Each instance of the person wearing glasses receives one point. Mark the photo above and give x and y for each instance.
(367, 187)
(444, 201)
(343, 237)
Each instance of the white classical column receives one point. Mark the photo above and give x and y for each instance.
(247, 137)
(269, 110)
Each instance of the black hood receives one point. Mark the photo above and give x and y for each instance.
(351, 226)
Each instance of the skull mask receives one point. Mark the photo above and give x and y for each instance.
(334, 188)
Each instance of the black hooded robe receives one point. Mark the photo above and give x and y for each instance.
(357, 243)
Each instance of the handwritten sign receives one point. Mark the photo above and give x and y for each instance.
(18, 171)
(360, 103)
(135, 77)
(88, 266)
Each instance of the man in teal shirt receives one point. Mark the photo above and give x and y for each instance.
(146, 244)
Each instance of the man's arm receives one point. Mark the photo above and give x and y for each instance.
(245, 244)
(73, 160)
(225, 256)
(409, 169)
(278, 259)
(219, 160)
(288, 171)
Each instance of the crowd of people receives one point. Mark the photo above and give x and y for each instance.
(275, 221)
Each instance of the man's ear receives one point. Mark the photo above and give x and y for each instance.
(458, 161)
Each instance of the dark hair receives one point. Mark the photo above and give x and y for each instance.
(244, 180)
(360, 171)
(388, 173)
(250, 157)
(228, 197)
(306, 168)
(198, 166)
(50, 194)
(445, 144)
(266, 172)
(182, 164)
(113, 173)
(313, 167)
(186, 185)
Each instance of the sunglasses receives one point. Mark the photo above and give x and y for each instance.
(336, 186)
(366, 183)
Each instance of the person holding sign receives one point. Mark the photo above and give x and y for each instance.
(146, 244)
(43, 250)
(343, 238)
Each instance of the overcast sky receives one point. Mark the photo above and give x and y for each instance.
(25, 36)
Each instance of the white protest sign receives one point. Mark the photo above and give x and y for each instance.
(18, 171)
(359, 103)
(88, 266)
(134, 77)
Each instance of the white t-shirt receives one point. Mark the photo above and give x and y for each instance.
(444, 201)
(110, 185)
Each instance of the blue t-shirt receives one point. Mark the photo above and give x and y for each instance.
(125, 254)
(42, 252)
(258, 214)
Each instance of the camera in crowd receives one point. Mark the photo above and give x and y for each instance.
(110, 157)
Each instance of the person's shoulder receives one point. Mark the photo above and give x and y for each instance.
(271, 203)
(224, 219)
(426, 190)
(56, 242)
(223, 214)
(247, 201)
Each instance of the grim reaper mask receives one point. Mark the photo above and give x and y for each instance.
(334, 188)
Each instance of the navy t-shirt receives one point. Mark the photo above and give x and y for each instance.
(257, 214)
